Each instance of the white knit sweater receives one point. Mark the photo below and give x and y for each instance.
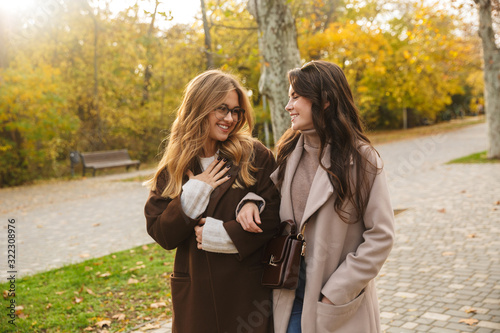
(194, 200)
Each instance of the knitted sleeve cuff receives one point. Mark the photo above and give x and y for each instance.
(215, 238)
(194, 197)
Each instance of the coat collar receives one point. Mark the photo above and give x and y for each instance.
(321, 187)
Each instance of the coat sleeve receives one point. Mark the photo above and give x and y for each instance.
(166, 222)
(363, 265)
(247, 242)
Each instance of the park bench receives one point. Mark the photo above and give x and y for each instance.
(102, 159)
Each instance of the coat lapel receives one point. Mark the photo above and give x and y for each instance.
(286, 208)
(321, 189)
(221, 189)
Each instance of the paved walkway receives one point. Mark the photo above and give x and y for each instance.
(444, 267)
(65, 222)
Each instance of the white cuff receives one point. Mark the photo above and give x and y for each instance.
(194, 197)
(252, 197)
(215, 237)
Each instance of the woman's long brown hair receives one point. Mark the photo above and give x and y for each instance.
(339, 126)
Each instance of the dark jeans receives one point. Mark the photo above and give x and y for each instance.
(295, 317)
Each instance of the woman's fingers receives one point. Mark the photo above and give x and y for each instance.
(256, 215)
(221, 181)
(214, 175)
(215, 166)
(250, 226)
(222, 172)
(248, 217)
(199, 232)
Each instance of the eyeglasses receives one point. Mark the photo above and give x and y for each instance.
(236, 113)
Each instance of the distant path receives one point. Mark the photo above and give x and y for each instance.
(410, 163)
(65, 222)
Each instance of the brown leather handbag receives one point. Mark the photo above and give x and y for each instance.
(281, 258)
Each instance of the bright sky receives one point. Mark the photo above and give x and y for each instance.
(183, 11)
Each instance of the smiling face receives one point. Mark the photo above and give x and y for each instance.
(219, 129)
(300, 110)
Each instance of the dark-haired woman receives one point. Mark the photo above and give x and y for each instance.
(331, 178)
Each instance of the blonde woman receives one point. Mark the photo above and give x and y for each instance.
(210, 163)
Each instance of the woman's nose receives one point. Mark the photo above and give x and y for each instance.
(229, 117)
(288, 106)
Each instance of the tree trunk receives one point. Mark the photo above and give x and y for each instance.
(280, 53)
(96, 82)
(491, 54)
(208, 36)
(4, 39)
(148, 73)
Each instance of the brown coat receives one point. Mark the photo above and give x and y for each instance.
(342, 260)
(212, 292)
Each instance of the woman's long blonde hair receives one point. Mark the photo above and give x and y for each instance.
(190, 131)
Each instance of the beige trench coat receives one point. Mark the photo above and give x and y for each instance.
(342, 260)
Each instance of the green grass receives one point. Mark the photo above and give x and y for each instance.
(481, 157)
(79, 296)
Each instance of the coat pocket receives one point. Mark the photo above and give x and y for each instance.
(339, 318)
(179, 286)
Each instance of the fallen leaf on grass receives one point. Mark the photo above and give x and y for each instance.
(158, 305)
(78, 299)
(150, 327)
(442, 210)
(60, 292)
(90, 292)
(132, 281)
(48, 306)
(103, 274)
(145, 247)
(19, 312)
(5, 294)
(104, 323)
(119, 316)
(469, 321)
(471, 310)
(88, 329)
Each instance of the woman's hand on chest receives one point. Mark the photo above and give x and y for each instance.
(214, 175)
